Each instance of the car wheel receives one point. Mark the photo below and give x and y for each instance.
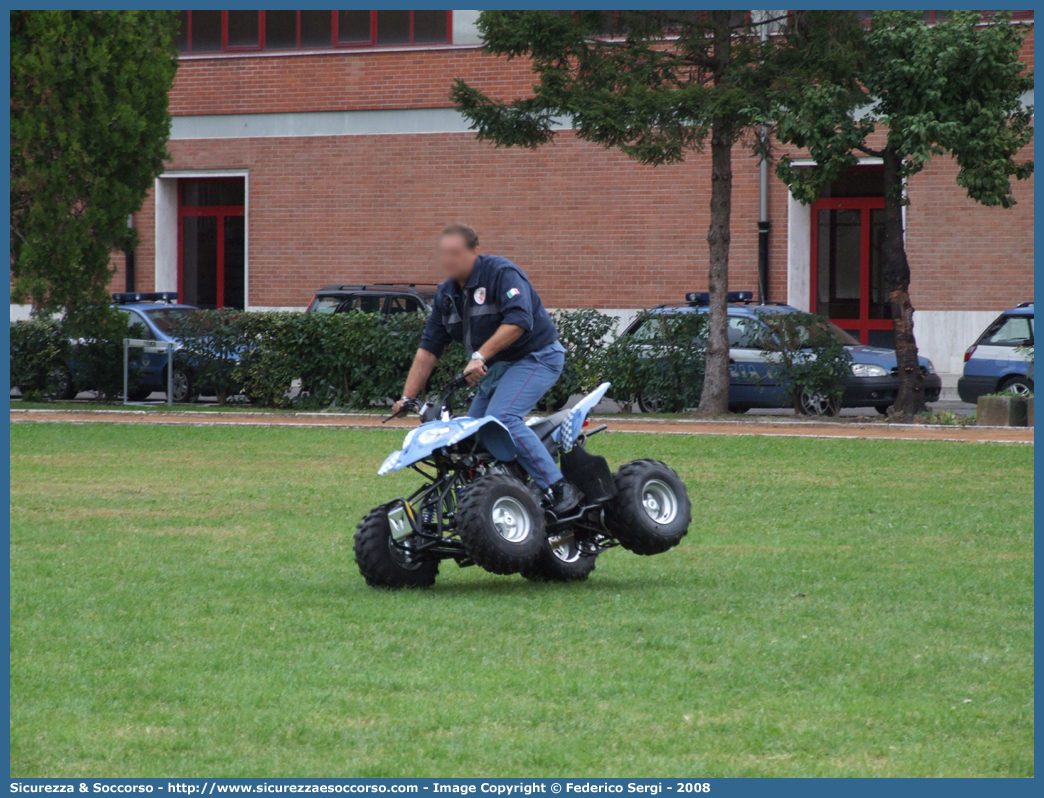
(61, 385)
(882, 409)
(1020, 386)
(181, 387)
(818, 404)
(654, 404)
(740, 409)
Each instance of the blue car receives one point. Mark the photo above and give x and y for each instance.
(152, 316)
(1002, 357)
(874, 381)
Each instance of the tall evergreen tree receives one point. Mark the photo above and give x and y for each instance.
(89, 125)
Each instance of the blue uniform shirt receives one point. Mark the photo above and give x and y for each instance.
(498, 292)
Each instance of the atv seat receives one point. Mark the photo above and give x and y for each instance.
(545, 426)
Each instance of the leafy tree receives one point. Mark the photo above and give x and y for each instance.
(658, 85)
(89, 123)
(584, 334)
(808, 357)
(952, 88)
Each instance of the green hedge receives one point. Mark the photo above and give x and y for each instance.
(43, 349)
(39, 357)
(356, 360)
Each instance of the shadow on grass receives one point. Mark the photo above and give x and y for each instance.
(516, 586)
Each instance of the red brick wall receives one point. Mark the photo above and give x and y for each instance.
(964, 256)
(340, 81)
(590, 227)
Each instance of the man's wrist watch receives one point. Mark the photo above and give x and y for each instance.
(476, 355)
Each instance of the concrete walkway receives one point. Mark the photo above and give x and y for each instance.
(767, 426)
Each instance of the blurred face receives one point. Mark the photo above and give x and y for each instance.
(455, 259)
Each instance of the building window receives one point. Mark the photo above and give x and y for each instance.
(237, 31)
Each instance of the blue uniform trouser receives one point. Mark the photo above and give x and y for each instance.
(509, 391)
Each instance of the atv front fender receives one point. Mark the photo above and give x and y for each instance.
(426, 438)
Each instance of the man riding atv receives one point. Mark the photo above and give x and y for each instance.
(488, 304)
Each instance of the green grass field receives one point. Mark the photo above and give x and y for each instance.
(184, 602)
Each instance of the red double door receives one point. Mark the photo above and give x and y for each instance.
(847, 284)
(212, 243)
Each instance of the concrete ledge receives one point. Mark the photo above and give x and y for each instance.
(1002, 411)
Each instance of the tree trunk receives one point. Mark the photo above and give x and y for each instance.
(715, 397)
(896, 270)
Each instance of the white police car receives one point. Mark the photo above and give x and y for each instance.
(752, 382)
(1001, 359)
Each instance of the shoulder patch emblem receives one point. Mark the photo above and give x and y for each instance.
(480, 296)
(514, 292)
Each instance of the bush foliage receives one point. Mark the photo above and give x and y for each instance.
(39, 354)
(665, 367)
(55, 359)
(808, 356)
(356, 360)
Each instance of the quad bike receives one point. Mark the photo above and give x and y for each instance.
(478, 505)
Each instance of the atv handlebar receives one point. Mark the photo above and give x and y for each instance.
(412, 404)
(455, 384)
(452, 387)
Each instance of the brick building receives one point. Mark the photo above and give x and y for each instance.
(316, 147)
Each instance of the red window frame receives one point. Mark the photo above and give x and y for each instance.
(219, 211)
(861, 326)
(227, 48)
(334, 43)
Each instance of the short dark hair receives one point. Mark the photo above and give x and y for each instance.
(465, 231)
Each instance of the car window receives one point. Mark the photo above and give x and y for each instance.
(166, 318)
(648, 331)
(138, 328)
(845, 338)
(325, 304)
(402, 304)
(1009, 331)
(367, 303)
(744, 333)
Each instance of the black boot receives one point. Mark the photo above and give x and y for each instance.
(565, 496)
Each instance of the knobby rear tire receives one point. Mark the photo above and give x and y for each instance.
(494, 550)
(377, 561)
(642, 487)
(565, 566)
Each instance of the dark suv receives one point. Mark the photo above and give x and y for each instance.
(384, 298)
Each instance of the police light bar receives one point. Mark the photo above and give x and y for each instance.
(703, 297)
(126, 298)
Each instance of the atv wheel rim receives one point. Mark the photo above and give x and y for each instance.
(565, 549)
(179, 387)
(401, 555)
(511, 519)
(659, 501)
